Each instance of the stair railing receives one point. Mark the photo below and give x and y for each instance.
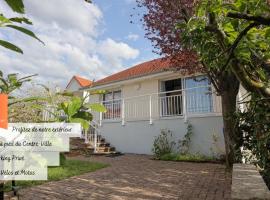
(94, 135)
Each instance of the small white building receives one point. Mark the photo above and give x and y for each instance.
(76, 83)
(149, 97)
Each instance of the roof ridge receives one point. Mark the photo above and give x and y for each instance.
(83, 82)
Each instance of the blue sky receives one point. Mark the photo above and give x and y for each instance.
(117, 22)
(90, 40)
(117, 26)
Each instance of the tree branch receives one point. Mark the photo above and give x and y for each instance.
(235, 44)
(212, 77)
(213, 27)
(258, 19)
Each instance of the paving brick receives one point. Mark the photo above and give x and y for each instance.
(135, 177)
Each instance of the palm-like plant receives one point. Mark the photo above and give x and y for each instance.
(14, 23)
(11, 83)
(78, 111)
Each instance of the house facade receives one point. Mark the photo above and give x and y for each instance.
(153, 96)
(76, 83)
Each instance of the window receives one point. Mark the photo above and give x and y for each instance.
(198, 95)
(112, 102)
(171, 98)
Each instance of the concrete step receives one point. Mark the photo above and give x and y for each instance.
(103, 144)
(106, 149)
(79, 147)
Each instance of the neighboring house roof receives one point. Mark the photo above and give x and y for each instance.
(81, 81)
(148, 68)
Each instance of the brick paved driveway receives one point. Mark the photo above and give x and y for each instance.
(138, 177)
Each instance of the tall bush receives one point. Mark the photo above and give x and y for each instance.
(184, 143)
(163, 144)
(254, 130)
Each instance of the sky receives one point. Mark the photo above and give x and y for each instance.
(88, 40)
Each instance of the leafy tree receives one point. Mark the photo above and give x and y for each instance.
(229, 50)
(32, 111)
(167, 26)
(254, 125)
(245, 42)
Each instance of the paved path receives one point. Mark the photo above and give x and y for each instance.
(138, 177)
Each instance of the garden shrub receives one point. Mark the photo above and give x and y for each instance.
(184, 144)
(254, 132)
(187, 157)
(163, 144)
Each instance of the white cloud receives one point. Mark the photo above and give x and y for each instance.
(115, 52)
(70, 31)
(133, 37)
(69, 14)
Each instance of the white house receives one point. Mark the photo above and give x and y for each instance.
(149, 97)
(76, 83)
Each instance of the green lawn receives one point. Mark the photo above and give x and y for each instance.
(68, 169)
(187, 158)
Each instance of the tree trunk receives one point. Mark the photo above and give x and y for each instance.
(228, 109)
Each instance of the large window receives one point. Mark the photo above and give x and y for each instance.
(112, 102)
(171, 98)
(198, 95)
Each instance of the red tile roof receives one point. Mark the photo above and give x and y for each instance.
(82, 81)
(151, 67)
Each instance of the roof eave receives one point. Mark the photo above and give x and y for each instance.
(128, 80)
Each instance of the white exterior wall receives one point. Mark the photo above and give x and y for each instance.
(73, 86)
(141, 91)
(138, 136)
(140, 88)
(243, 97)
(94, 99)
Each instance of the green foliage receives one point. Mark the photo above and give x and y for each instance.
(62, 159)
(19, 109)
(254, 125)
(96, 107)
(184, 144)
(76, 111)
(25, 31)
(163, 144)
(16, 5)
(187, 157)
(230, 45)
(12, 82)
(10, 46)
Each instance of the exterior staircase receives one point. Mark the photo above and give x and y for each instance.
(94, 143)
(79, 147)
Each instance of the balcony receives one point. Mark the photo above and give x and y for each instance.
(197, 101)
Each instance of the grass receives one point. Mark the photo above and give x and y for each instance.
(187, 158)
(68, 169)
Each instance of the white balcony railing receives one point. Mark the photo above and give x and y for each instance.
(187, 102)
(113, 109)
